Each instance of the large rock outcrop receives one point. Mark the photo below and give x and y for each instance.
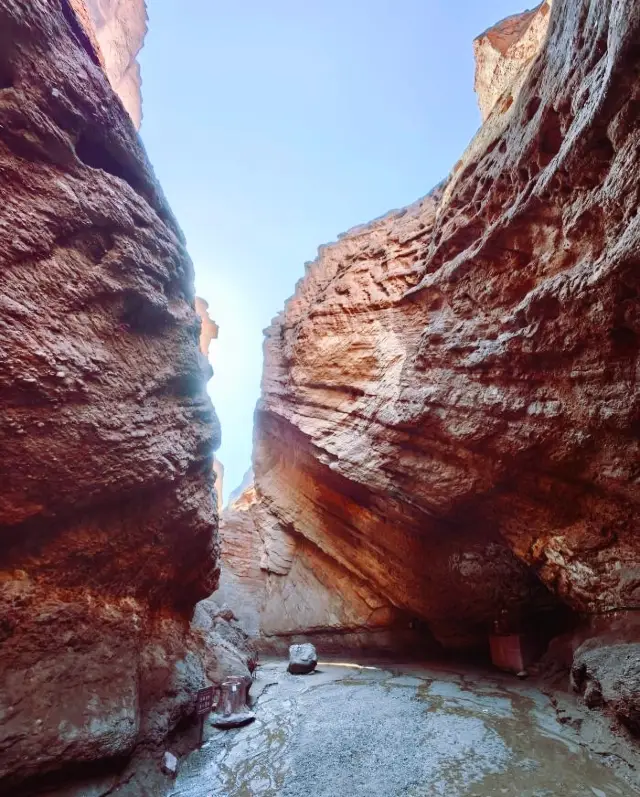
(608, 676)
(449, 407)
(107, 517)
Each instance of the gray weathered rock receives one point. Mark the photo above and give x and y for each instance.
(169, 764)
(608, 677)
(228, 650)
(302, 659)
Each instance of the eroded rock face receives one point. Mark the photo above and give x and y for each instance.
(218, 472)
(209, 329)
(449, 404)
(107, 518)
(504, 52)
(208, 332)
(229, 651)
(118, 27)
(607, 675)
(283, 588)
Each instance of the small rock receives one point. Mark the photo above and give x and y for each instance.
(302, 659)
(226, 613)
(169, 764)
(528, 764)
(233, 720)
(522, 674)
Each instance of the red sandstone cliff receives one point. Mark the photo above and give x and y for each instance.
(107, 517)
(504, 52)
(283, 589)
(449, 408)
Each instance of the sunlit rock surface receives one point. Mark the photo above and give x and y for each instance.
(449, 407)
(107, 517)
(117, 29)
(209, 329)
(503, 54)
(218, 470)
(282, 588)
(208, 332)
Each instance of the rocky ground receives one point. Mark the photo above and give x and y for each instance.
(393, 730)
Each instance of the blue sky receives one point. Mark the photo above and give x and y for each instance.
(275, 126)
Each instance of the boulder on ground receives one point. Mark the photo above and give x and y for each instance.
(302, 659)
(169, 764)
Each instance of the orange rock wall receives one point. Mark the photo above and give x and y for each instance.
(449, 403)
(283, 588)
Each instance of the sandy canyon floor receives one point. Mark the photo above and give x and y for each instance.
(391, 730)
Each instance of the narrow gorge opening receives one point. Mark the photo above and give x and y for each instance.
(428, 580)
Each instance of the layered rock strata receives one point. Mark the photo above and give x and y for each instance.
(283, 589)
(449, 408)
(107, 518)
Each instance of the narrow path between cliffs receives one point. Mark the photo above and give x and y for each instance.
(391, 730)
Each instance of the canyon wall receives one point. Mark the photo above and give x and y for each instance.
(117, 29)
(283, 589)
(503, 53)
(449, 410)
(208, 332)
(208, 329)
(107, 516)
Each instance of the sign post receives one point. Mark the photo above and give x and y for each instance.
(204, 704)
